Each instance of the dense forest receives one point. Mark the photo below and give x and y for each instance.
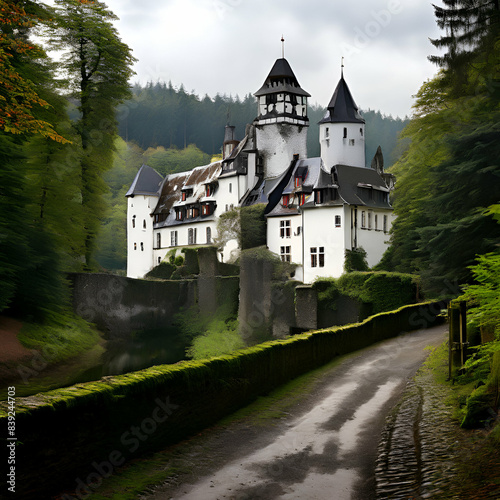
(161, 115)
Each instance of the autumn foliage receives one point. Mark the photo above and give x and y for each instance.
(18, 95)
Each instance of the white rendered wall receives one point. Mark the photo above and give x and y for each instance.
(140, 238)
(373, 239)
(275, 241)
(337, 149)
(320, 231)
(278, 142)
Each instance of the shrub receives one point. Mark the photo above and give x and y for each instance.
(355, 260)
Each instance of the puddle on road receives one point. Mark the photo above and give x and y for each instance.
(349, 432)
(317, 485)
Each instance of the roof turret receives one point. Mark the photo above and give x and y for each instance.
(342, 108)
(281, 79)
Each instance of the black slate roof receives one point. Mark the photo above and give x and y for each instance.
(362, 186)
(342, 108)
(147, 182)
(281, 79)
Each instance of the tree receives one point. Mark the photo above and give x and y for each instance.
(472, 33)
(98, 67)
(19, 97)
(447, 176)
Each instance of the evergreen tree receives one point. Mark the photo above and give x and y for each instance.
(447, 177)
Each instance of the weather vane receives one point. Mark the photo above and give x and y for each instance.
(282, 47)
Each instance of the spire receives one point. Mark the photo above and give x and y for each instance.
(342, 67)
(282, 47)
(342, 108)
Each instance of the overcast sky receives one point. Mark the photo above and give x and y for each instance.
(229, 46)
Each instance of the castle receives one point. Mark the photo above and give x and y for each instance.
(316, 208)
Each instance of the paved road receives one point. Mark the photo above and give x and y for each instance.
(326, 448)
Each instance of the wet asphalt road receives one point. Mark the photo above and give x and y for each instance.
(324, 449)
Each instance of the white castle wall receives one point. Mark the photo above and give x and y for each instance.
(278, 142)
(342, 147)
(140, 235)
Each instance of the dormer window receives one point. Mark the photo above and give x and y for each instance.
(208, 190)
(206, 209)
(192, 212)
(302, 198)
(300, 176)
(318, 196)
(179, 214)
(186, 193)
(285, 200)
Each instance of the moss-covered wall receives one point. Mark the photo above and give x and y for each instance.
(120, 306)
(74, 436)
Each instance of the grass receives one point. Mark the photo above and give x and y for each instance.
(478, 467)
(60, 338)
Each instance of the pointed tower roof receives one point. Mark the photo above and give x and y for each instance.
(147, 182)
(281, 79)
(342, 108)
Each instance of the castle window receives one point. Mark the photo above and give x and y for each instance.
(179, 214)
(159, 260)
(376, 222)
(302, 198)
(314, 257)
(327, 132)
(321, 256)
(285, 229)
(385, 223)
(133, 221)
(206, 209)
(363, 220)
(158, 240)
(345, 132)
(142, 246)
(318, 196)
(144, 224)
(230, 187)
(184, 196)
(369, 220)
(338, 221)
(135, 246)
(208, 190)
(351, 142)
(285, 200)
(173, 238)
(192, 236)
(209, 235)
(285, 254)
(361, 131)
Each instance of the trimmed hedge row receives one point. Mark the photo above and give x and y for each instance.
(71, 434)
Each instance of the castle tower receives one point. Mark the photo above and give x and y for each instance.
(281, 124)
(342, 130)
